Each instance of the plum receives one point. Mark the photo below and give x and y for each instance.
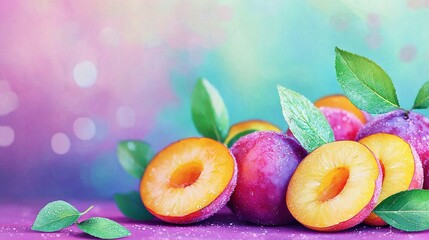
(335, 187)
(344, 124)
(401, 165)
(189, 180)
(411, 126)
(249, 125)
(266, 161)
(342, 102)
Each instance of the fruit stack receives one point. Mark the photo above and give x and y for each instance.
(334, 168)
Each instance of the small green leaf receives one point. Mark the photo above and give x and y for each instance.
(305, 121)
(422, 99)
(238, 136)
(103, 228)
(134, 156)
(55, 216)
(209, 112)
(130, 204)
(365, 83)
(407, 210)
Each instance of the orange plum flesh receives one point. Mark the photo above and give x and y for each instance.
(402, 169)
(189, 180)
(335, 187)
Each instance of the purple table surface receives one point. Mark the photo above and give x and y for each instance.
(16, 220)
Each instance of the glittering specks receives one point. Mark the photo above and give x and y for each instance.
(85, 74)
(125, 117)
(7, 136)
(408, 53)
(109, 36)
(8, 99)
(84, 128)
(16, 221)
(373, 20)
(341, 22)
(416, 4)
(373, 38)
(60, 143)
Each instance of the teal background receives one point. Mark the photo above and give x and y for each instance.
(147, 55)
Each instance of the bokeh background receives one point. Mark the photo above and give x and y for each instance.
(78, 76)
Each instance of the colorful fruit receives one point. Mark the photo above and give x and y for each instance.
(189, 180)
(258, 125)
(266, 161)
(342, 102)
(344, 124)
(335, 187)
(410, 126)
(402, 169)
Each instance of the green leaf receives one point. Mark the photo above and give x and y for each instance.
(130, 204)
(407, 210)
(238, 136)
(209, 113)
(422, 99)
(103, 228)
(134, 156)
(365, 83)
(55, 216)
(306, 122)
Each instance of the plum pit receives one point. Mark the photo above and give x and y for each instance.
(333, 183)
(186, 174)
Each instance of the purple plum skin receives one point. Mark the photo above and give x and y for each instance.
(344, 124)
(411, 126)
(266, 161)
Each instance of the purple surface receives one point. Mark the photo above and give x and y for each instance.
(16, 220)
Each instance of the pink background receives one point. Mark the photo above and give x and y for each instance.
(78, 76)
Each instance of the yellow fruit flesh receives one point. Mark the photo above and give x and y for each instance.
(397, 159)
(186, 177)
(186, 174)
(332, 184)
(250, 125)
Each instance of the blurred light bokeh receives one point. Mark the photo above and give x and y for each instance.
(78, 76)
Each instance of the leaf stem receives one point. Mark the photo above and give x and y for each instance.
(87, 210)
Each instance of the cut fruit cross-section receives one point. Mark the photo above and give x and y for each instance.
(189, 180)
(402, 168)
(335, 187)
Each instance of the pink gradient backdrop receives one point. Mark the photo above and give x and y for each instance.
(78, 76)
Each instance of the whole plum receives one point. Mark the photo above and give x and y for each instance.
(266, 161)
